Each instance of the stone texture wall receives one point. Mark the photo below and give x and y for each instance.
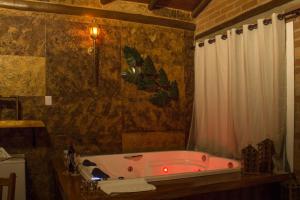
(148, 142)
(220, 11)
(93, 117)
(26, 81)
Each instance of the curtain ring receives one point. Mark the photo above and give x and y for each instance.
(224, 37)
(267, 21)
(280, 16)
(239, 31)
(201, 44)
(211, 41)
(252, 27)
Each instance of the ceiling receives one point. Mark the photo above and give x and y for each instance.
(188, 5)
(194, 6)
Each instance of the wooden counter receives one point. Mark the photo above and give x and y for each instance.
(189, 188)
(23, 124)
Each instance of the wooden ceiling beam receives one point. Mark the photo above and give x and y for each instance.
(153, 4)
(106, 1)
(42, 6)
(200, 7)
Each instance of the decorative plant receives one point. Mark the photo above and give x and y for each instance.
(144, 75)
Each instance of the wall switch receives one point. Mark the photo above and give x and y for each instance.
(48, 100)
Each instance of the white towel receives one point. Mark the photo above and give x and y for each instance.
(125, 186)
(86, 172)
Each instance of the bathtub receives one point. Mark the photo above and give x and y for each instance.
(159, 166)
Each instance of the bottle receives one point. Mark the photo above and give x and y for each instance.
(71, 159)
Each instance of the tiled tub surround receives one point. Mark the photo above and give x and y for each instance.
(95, 118)
(226, 186)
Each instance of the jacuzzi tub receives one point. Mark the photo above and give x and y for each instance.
(157, 166)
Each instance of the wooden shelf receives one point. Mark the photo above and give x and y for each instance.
(10, 98)
(21, 124)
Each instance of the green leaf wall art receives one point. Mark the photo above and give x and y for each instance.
(142, 72)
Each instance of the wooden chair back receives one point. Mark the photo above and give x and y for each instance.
(11, 184)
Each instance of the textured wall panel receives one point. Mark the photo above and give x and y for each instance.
(22, 76)
(19, 35)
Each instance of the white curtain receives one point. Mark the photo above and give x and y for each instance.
(240, 90)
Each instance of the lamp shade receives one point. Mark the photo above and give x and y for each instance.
(94, 30)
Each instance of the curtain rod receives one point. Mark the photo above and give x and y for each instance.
(285, 16)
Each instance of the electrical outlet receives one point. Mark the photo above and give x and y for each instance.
(48, 100)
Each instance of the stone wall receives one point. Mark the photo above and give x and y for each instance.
(220, 11)
(93, 117)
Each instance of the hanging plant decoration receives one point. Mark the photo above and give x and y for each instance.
(144, 75)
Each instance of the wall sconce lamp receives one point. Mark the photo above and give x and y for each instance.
(94, 30)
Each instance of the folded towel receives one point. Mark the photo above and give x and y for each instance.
(86, 172)
(125, 186)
